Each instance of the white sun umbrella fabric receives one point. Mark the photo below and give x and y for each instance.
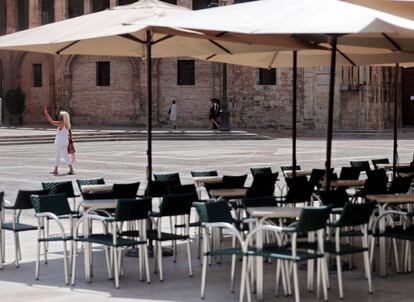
(402, 8)
(310, 20)
(111, 32)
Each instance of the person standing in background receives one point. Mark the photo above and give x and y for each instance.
(173, 115)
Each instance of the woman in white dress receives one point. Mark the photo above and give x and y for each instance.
(61, 140)
(173, 115)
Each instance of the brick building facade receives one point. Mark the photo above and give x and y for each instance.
(364, 95)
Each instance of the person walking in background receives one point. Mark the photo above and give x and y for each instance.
(173, 115)
(63, 133)
(214, 113)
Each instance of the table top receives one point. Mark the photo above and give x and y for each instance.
(348, 183)
(99, 204)
(208, 179)
(104, 188)
(407, 174)
(274, 212)
(392, 198)
(390, 166)
(298, 173)
(228, 193)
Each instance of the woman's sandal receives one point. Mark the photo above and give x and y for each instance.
(71, 172)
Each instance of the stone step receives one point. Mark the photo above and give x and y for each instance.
(131, 136)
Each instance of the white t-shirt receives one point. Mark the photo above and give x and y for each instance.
(62, 136)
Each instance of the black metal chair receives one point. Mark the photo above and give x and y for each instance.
(261, 170)
(92, 181)
(255, 192)
(203, 173)
(349, 173)
(400, 185)
(285, 169)
(299, 190)
(22, 203)
(172, 178)
(171, 206)
(376, 162)
(234, 182)
(128, 191)
(113, 238)
(264, 180)
(353, 215)
(53, 207)
(363, 165)
(62, 187)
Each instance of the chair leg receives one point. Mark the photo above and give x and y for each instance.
(74, 257)
(296, 281)
(160, 264)
(368, 271)
(37, 260)
(65, 263)
(141, 263)
(203, 276)
(19, 249)
(190, 267)
(147, 272)
(232, 272)
(116, 266)
(108, 260)
(325, 278)
(1, 246)
(244, 282)
(16, 249)
(339, 270)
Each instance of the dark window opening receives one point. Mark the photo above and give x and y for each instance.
(242, 1)
(23, 14)
(99, 5)
(48, 11)
(202, 4)
(267, 76)
(75, 8)
(185, 72)
(103, 73)
(3, 17)
(126, 2)
(37, 75)
(174, 2)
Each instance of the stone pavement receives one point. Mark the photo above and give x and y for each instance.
(24, 167)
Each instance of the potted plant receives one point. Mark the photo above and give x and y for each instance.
(14, 100)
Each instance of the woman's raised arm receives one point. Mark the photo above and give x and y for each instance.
(49, 119)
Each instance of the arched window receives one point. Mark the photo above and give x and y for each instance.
(48, 11)
(23, 14)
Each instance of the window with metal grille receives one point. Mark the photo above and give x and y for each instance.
(23, 14)
(185, 72)
(202, 4)
(103, 73)
(170, 1)
(267, 76)
(37, 75)
(48, 11)
(3, 17)
(75, 8)
(126, 2)
(98, 5)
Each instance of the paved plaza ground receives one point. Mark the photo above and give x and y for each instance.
(25, 166)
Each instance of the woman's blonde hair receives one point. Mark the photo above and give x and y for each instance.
(66, 119)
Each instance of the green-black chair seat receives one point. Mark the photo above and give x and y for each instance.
(191, 224)
(398, 233)
(19, 227)
(107, 239)
(56, 237)
(153, 234)
(344, 249)
(283, 253)
(225, 252)
(130, 233)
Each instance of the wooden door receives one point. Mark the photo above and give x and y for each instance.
(408, 96)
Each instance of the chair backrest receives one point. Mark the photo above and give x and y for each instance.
(312, 219)
(234, 181)
(335, 198)
(349, 173)
(376, 182)
(317, 175)
(214, 212)
(158, 188)
(182, 189)
(400, 185)
(362, 164)
(176, 204)
(261, 170)
(264, 180)
(204, 173)
(299, 190)
(172, 178)
(376, 162)
(54, 203)
(267, 201)
(133, 209)
(86, 182)
(254, 192)
(1, 200)
(288, 168)
(59, 187)
(355, 214)
(126, 190)
(23, 201)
